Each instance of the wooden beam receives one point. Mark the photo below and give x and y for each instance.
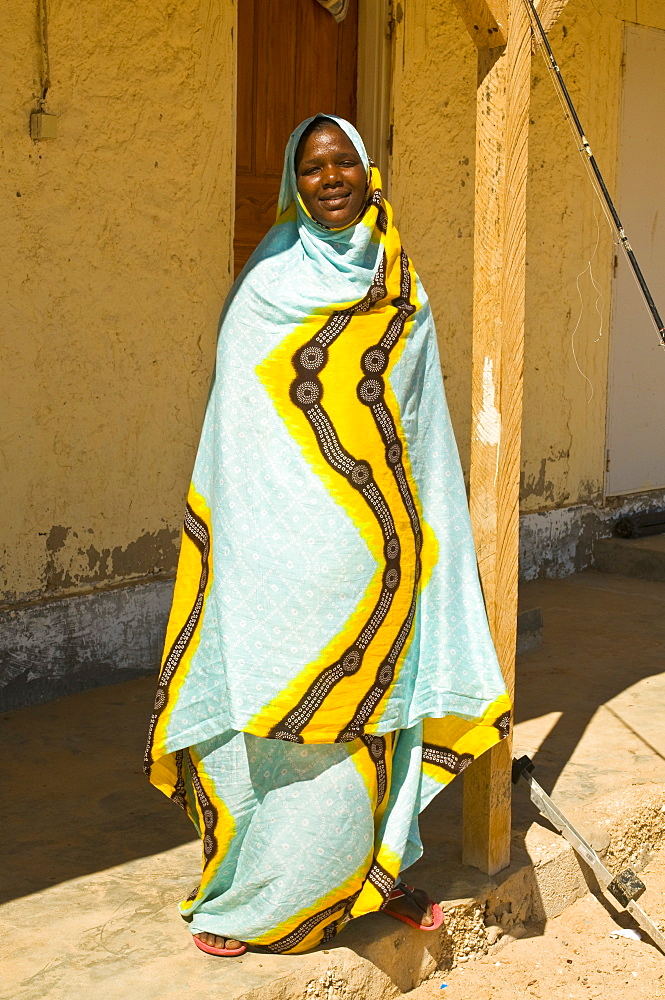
(502, 122)
(486, 21)
(549, 11)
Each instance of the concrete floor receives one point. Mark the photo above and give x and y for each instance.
(95, 859)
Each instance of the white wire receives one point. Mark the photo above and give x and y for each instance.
(599, 305)
(595, 284)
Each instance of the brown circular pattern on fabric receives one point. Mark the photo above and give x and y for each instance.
(306, 392)
(391, 577)
(385, 675)
(209, 818)
(312, 357)
(370, 390)
(361, 474)
(392, 548)
(351, 661)
(374, 361)
(160, 699)
(394, 452)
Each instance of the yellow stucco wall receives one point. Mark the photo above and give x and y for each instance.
(115, 253)
(432, 188)
(432, 179)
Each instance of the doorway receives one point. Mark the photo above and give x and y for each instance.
(293, 61)
(636, 403)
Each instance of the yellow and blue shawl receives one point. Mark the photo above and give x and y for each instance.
(327, 590)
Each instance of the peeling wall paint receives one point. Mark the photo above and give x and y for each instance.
(57, 647)
(115, 252)
(556, 543)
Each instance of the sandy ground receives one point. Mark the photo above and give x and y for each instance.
(572, 958)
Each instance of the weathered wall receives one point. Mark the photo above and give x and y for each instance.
(434, 109)
(115, 255)
(432, 185)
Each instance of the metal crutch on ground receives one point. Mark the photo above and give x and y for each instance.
(626, 887)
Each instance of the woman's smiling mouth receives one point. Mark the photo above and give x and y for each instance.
(333, 201)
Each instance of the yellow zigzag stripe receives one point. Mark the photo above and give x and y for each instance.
(225, 830)
(358, 433)
(473, 736)
(163, 772)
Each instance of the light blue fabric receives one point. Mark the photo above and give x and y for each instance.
(305, 825)
(289, 565)
(289, 828)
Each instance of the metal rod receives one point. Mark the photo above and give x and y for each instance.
(624, 887)
(632, 259)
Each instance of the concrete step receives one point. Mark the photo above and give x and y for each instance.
(639, 557)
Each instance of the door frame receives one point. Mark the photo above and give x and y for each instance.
(373, 88)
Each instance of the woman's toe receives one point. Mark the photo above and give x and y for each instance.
(211, 939)
(232, 943)
(427, 918)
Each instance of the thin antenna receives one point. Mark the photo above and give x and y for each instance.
(632, 259)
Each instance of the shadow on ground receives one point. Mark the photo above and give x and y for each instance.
(81, 804)
(79, 801)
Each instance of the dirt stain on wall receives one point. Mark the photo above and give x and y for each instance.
(71, 567)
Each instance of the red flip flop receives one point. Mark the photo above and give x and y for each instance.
(211, 950)
(401, 889)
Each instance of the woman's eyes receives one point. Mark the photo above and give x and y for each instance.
(313, 170)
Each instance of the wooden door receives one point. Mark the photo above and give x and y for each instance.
(293, 61)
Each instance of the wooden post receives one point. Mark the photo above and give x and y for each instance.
(498, 340)
(502, 125)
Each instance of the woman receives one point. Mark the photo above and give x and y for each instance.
(328, 666)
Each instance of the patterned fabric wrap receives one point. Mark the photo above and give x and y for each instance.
(327, 590)
(297, 840)
(338, 8)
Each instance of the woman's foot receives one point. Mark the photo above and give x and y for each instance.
(418, 908)
(214, 944)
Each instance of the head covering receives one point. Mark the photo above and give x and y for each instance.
(351, 249)
(288, 192)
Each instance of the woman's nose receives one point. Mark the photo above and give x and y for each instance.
(332, 176)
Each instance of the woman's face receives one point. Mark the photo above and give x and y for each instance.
(331, 177)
